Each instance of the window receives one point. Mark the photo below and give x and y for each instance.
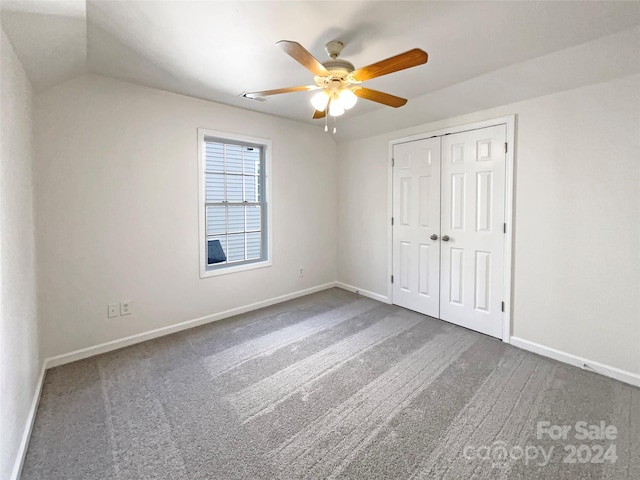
(234, 206)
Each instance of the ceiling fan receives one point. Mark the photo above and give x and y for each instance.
(339, 81)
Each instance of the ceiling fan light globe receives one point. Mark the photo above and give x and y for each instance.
(348, 99)
(335, 108)
(320, 100)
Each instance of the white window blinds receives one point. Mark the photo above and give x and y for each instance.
(235, 205)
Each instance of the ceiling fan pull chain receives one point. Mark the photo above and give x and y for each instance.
(335, 120)
(326, 126)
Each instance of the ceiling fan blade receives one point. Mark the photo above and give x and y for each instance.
(302, 56)
(409, 59)
(264, 93)
(319, 114)
(380, 97)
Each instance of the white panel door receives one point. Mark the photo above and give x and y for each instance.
(473, 212)
(416, 213)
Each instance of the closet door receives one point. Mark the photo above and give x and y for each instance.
(472, 246)
(416, 217)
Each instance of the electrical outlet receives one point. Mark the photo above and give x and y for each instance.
(112, 310)
(125, 307)
(301, 274)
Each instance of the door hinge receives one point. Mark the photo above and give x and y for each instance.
(506, 148)
(392, 221)
(391, 278)
(502, 307)
(504, 228)
(393, 162)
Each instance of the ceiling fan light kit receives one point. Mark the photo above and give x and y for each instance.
(339, 81)
(335, 109)
(347, 98)
(337, 100)
(320, 101)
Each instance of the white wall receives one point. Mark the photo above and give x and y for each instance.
(117, 202)
(20, 361)
(577, 226)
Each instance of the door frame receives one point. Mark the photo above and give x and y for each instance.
(510, 122)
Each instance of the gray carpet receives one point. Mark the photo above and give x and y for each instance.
(331, 385)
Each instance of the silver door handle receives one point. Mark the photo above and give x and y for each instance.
(434, 237)
(445, 238)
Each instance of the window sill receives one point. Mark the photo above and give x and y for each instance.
(214, 272)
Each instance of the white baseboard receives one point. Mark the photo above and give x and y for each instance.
(160, 332)
(127, 341)
(28, 428)
(364, 293)
(613, 372)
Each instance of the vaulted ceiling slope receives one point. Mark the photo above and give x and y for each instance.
(491, 52)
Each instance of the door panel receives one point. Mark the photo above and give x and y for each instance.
(405, 266)
(457, 201)
(416, 212)
(482, 280)
(456, 278)
(473, 179)
(483, 201)
(425, 251)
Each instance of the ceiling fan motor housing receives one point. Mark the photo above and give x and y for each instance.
(339, 71)
(340, 66)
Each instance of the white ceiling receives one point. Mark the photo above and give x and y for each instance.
(494, 52)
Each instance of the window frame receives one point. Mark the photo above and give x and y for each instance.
(233, 138)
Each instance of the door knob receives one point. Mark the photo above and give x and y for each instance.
(434, 237)
(445, 238)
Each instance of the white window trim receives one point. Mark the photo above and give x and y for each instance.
(202, 229)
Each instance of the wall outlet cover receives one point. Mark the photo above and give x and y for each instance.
(113, 310)
(125, 307)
